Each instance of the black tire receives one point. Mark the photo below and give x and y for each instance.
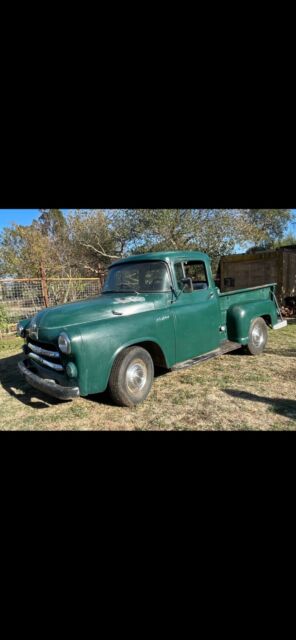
(258, 336)
(131, 377)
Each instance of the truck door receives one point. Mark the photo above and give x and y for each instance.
(197, 315)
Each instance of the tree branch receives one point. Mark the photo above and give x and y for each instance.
(102, 253)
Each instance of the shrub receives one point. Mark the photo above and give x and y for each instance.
(4, 320)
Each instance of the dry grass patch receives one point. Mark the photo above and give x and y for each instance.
(232, 392)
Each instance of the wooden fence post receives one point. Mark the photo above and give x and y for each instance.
(44, 286)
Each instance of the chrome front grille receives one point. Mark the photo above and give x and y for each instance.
(46, 363)
(35, 352)
(43, 352)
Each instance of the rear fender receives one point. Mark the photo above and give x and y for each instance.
(240, 316)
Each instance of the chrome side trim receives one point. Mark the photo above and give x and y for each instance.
(46, 363)
(43, 352)
(225, 347)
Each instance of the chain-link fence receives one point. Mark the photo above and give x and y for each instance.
(22, 298)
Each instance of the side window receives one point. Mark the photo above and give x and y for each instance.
(197, 272)
(179, 274)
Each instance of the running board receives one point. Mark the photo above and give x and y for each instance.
(226, 347)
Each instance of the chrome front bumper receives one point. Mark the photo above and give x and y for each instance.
(48, 386)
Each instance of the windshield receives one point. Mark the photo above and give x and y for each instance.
(138, 277)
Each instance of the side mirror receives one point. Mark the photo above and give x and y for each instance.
(187, 285)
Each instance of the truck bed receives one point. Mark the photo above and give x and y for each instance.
(252, 294)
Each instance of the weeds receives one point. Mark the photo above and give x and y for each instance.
(232, 392)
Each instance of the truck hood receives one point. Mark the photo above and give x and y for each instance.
(105, 306)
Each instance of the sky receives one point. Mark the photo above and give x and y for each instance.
(25, 216)
(20, 216)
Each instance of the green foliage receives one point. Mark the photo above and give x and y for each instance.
(268, 225)
(287, 240)
(94, 245)
(85, 242)
(4, 320)
(23, 248)
(52, 222)
(214, 231)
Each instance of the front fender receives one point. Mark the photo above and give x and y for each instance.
(104, 341)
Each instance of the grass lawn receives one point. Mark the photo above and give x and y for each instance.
(231, 392)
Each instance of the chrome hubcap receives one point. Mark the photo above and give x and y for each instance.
(257, 336)
(136, 376)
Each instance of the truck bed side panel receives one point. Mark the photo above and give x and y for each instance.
(240, 308)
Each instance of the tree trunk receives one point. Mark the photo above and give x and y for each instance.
(44, 286)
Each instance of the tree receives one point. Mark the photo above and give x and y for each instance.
(79, 245)
(289, 239)
(214, 231)
(44, 243)
(52, 223)
(125, 228)
(22, 250)
(93, 245)
(85, 242)
(267, 225)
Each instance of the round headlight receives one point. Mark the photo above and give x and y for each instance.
(20, 330)
(64, 343)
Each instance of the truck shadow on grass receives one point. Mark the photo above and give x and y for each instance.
(269, 351)
(12, 381)
(105, 398)
(281, 406)
(283, 353)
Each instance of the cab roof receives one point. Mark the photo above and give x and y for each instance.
(168, 256)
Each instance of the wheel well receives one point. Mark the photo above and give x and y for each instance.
(155, 351)
(267, 319)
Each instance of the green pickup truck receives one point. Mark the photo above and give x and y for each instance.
(155, 310)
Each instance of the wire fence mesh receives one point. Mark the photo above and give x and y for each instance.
(23, 298)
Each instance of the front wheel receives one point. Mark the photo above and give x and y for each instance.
(257, 337)
(131, 377)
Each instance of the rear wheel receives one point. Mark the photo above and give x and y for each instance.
(257, 337)
(131, 377)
